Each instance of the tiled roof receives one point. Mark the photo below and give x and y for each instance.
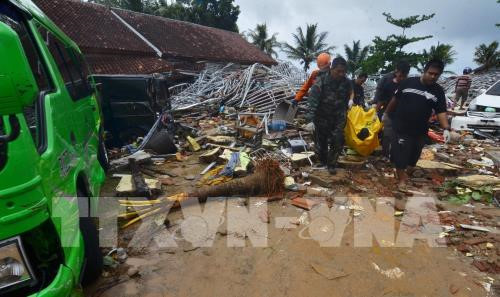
(191, 41)
(126, 64)
(93, 27)
(112, 48)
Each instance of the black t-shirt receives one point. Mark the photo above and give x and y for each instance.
(359, 93)
(386, 88)
(415, 103)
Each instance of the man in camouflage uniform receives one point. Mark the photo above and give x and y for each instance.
(328, 103)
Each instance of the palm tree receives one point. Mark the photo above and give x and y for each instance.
(355, 55)
(487, 55)
(260, 38)
(307, 47)
(443, 52)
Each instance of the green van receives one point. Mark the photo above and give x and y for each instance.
(52, 158)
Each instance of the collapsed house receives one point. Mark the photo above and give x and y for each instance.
(117, 41)
(126, 50)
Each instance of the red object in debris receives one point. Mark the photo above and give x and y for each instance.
(304, 203)
(435, 136)
(464, 248)
(484, 266)
(437, 179)
(481, 265)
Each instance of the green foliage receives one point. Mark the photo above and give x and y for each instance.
(221, 14)
(385, 52)
(443, 52)
(459, 193)
(487, 55)
(355, 56)
(407, 22)
(307, 47)
(260, 38)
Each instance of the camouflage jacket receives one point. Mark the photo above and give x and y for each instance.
(328, 97)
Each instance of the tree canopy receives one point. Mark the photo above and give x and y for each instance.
(443, 52)
(222, 14)
(487, 55)
(355, 56)
(386, 52)
(306, 47)
(260, 38)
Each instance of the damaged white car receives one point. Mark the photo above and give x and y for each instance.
(483, 112)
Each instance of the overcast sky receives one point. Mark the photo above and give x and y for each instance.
(461, 23)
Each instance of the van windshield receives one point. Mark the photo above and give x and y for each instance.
(495, 90)
(9, 16)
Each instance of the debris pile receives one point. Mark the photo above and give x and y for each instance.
(257, 85)
(230, 144)
(480, 82)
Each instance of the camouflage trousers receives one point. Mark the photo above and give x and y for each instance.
(329, 138)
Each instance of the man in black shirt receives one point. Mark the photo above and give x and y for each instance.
(412, 107)
(386, 88)
(388, 84)
(358, 94)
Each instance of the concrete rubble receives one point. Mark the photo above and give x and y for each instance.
(480, 82)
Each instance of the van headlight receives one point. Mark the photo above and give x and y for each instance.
(14, 268)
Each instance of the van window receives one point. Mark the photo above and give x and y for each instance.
(11, 17)
(32, 113)
(70, 65)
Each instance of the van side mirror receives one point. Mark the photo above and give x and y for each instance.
(18, 87)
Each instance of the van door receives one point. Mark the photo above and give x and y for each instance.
(85, 116)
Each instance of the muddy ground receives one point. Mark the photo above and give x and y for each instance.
(291, 263)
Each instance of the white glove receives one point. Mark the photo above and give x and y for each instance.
(446, 136)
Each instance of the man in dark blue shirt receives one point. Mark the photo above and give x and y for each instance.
(386, 87)
(358, 92)
(412, 107)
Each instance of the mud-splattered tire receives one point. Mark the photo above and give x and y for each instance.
(93, 261)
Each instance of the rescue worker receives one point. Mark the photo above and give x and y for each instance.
(323, 62)
(328, 102)
(462, 87)
(386, 87)
(412, 105)
(358, 92)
